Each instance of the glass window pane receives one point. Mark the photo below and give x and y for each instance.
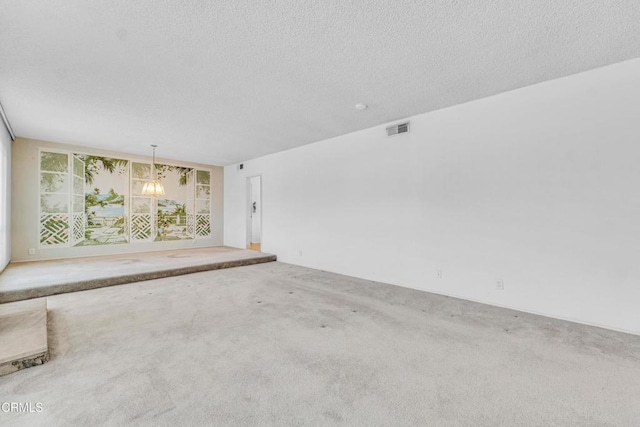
(78, 185)
(78, 166)
(203, 206)
(203, 177)
(53, 183)
(203, 192)
(78, 204)
(136, 188)
(141, 170)
(54, 162)
(140, 204)
(54, 203)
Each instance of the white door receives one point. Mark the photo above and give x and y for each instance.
(255, 208)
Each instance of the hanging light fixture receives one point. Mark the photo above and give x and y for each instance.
(153, 187)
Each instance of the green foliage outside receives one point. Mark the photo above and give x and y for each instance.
(164, 221)
(161, 171)
(92, 166)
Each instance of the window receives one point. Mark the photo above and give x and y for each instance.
(142, 207)
(54, 199)
(90, 200)
(203, 203)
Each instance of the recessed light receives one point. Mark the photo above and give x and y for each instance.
(361, 107)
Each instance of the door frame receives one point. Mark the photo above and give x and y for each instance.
(248, 211)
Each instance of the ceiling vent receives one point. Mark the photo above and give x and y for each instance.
(398, 129)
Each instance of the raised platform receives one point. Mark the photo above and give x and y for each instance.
(23, 335)
(25, 280)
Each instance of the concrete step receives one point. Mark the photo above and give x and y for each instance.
(23, 335)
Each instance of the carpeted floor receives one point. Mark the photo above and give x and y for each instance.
(284, 345)
(25, 280)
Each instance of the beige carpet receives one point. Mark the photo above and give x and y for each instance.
(275, 344)
(25, 280)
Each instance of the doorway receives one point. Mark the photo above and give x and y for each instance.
(254, 234)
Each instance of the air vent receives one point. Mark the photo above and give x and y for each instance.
(398, 129)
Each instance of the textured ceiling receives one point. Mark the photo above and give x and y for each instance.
(219, 81)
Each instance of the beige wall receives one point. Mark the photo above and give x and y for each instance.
(5, 197)
(25, 193)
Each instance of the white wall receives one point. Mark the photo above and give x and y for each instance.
(538, 187)
(25, 224)
(5, 197)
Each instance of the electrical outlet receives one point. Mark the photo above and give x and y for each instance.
(32, 251)
(500, 285)
(439, 274)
